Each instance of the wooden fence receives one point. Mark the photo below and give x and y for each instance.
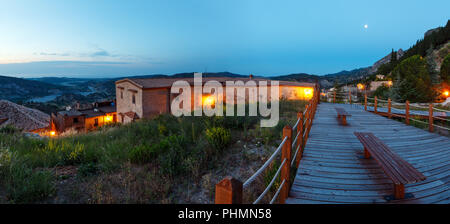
(230, 190)
(429, 111)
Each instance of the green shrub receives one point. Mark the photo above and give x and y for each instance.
(5, 161)
(87, 169)
(219, 138)
(23, 185)
(144, 154)
(9, 129)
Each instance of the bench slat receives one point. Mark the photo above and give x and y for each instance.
(392, 162)
(405, 166)
(400, 171)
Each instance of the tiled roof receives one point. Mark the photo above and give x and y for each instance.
(70, 113)
(131, 115)
(107, 109)
(149, 83)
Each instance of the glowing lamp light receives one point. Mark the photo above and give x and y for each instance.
(389, 83)
(308, 92)
(52, 133)
(208, 100)
(360, 86)
(108, 118)
(446, 93)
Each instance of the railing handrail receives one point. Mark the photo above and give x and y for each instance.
(265, 165)
(432, 114)
(271, 183)
(229, 190)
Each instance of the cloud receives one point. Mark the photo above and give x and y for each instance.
(55, 54)
(75, 68)
(101, 53)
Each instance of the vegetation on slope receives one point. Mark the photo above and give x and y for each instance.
(150, 161)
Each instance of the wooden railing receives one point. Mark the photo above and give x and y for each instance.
(230, 190)
(433, 114)
(429, 112)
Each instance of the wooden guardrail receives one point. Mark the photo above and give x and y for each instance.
(409, 115)
(230, 190)
(432, 113)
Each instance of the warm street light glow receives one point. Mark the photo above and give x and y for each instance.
(360, 86)
(208, 100)
(52, 133)
(446, 93)
(308, 93)
(389, 83)
(108, 118)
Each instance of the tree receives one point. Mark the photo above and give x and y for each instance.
(382, 92)
(412, 81)
(445, 70)
(393, 57)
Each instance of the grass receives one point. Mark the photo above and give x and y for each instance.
(142, 162)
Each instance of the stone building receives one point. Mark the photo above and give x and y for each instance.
(97, 115)
(145, 98)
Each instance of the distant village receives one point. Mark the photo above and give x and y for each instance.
(135, 99)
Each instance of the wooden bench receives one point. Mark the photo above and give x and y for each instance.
(397, 169)
(342, 114)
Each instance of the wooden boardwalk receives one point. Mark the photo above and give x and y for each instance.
(333, 169)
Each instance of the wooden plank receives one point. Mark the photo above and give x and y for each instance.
(332, 160)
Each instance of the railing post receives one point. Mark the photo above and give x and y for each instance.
(286, 171)
(350, 96)
(430, 117)
(300, 138)
(375, 105)
(389, 108)
(407, 112)
(365, 101)
(228, 191)
(334, 96)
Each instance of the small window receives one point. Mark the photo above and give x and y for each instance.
(75, 120)
(133, 99)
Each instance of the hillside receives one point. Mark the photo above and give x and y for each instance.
(15, 89)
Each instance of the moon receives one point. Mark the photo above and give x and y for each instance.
(366, 26)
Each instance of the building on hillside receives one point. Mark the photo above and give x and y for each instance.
(145, 98)
(99, 114)
(375, 84)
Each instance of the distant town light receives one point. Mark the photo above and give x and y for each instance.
(360, 86)
(208, 100)
(308, 93)
(108, 118)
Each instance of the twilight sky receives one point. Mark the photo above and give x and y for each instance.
(104, 38)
